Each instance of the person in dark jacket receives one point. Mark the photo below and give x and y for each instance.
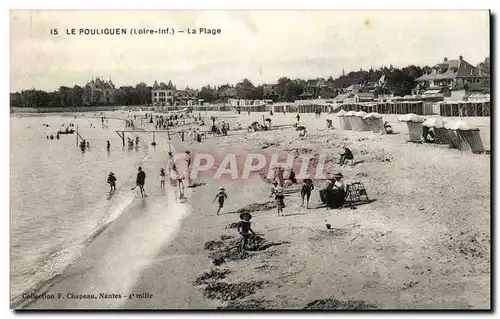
(306, 191)
(141, 178)
(347, 155)
(112, 182)
(245, 229)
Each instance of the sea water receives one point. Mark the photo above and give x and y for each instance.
(59, 195)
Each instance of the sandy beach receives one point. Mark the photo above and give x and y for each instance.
(422, 242)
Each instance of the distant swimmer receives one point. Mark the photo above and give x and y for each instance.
(141, 178)
(108, 145)
(162, 178)
(112, 181)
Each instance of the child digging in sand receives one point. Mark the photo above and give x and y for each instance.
(245, 229)
(221, 195)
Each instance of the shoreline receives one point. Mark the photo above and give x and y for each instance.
(423, 242)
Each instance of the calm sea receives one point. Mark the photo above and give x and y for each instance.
(59, 194)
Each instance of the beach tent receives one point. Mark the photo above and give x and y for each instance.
(440, 134)
(468, 136)
(362, 124)
(350, 120)
(414, 123)
(341, 119)
(375, 122)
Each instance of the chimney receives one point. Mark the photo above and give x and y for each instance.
(445, 59)
(460, 58)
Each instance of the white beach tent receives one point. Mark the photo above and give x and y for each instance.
(375, 122)
(440, 133)
(343, 124)
(350, 120)
(414, 123)
(363, 125)
(468, 136)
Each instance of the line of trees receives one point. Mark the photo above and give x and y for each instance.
(400, 82)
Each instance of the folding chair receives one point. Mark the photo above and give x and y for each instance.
(355, 193)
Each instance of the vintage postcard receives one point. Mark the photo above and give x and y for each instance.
(250, 160)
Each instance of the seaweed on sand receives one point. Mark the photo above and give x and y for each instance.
(212, 275)
(231, 291)
(335, 304)
(250, 304)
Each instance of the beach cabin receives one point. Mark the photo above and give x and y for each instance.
(414, 123)
(464, 108)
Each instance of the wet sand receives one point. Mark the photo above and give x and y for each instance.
(423, 242)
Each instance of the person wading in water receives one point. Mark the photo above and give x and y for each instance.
(112, 182)
(141, 178)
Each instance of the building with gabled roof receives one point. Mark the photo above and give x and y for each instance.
(453, 74)
(163, 94)
(99, 92)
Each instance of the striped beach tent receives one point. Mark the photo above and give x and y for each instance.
(468, 137)
(375, 122)
(414, 123)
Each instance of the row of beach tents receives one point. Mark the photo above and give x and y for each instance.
(456, 134)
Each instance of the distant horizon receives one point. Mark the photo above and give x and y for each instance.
(261, 46)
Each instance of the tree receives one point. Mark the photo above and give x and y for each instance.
(65, 96)
(77, 96)
(245, 89)
(143, 93)
(15, 100)
(207, 94)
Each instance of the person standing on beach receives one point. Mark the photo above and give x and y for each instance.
(277, 191)
(112, 182)
(190, 135)
(141, 178)
(162, 178)
(108, 145)
(245, 229)
(221, 195)
(298, 118)
(171, 165)
(306, 190)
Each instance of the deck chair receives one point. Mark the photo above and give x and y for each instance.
(355, 193)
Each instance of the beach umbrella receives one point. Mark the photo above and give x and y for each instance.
(372, 116)
(267, 119)
(434, 122)
(360, 113)
(300, 128)
(341, 112)
(350, 113)
(411, 118)
(254, 123)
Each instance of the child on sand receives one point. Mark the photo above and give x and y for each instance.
(245, 228)
(306, 190)
(221, 195)
(277, 191)
(162, 178)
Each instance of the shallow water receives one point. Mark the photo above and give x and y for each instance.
(59, 195)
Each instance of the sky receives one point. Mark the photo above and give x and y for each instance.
(259, 45)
